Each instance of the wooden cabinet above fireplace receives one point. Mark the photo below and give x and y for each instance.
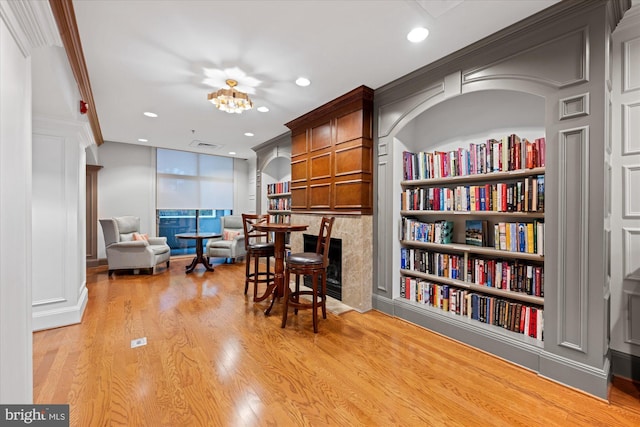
(332, 156)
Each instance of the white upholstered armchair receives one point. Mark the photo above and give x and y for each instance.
(231, 244)
(128, 249)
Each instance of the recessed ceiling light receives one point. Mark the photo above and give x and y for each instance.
(263, 109)
(233, 153)
(248, 134)
(417, 35)
(150, 114)
(142, 140)
(303, 81)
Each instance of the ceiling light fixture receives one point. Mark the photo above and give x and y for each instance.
(142, 140)
(263, 109)
(231, 100)
(303, 81)
(248, 134)
(417, 35)
(150, 114)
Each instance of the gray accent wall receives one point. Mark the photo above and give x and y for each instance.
(562, 55)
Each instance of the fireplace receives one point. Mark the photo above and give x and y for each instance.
(334, 270)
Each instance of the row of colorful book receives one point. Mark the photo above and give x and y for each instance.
(279, 187)
(431, 232)
(510, 275)
(280, 204)
(508, 154)
(525, 237)
(439, 264)
(514, 316)
(526, 195)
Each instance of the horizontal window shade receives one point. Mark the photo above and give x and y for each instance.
(193, 181)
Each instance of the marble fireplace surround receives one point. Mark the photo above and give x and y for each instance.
(356, 232)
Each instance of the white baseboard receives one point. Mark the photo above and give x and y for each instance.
(61, 316)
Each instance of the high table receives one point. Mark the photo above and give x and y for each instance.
(200, 257)
(279, 231)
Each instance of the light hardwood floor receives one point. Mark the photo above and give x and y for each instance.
(213, 359)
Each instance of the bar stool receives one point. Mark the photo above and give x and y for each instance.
(312, 264)
(257, 245)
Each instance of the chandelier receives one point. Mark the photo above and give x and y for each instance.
(231, 100)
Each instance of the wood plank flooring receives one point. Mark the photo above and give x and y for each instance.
(214, 359)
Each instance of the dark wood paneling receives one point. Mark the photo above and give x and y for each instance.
(299, 171)
(320, 166)
(91, 192)
(339, 150)
(349, 127)
(353, 195)
(320, 196)
(353, 160)
(299, 197)
(298, 144)
(320, 137)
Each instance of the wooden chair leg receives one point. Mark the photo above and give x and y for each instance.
(287, 291)
(297, 294)
(246, 275)
(314, 302)
(324, 295)
(256, 275)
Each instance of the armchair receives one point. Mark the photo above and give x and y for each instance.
(231, 244)
(127, 249)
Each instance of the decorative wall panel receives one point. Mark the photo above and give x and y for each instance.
(574, 106)
(631, 239)
(573, 263)
(631, 128)
(631, 183)
(337, 154)
(552, 63)
(632, 325)
(631, 65)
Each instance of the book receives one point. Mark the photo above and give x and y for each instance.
(475, 232)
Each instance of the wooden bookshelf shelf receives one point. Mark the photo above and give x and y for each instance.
(532, 215)
(481, 250)
(470, 324)
(519, 296)
(278, 195)
(483, 177)
(275, 212)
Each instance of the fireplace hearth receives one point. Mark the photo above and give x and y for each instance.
(334, 270)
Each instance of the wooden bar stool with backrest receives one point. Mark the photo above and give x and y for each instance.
(257, 245)
(312, 264)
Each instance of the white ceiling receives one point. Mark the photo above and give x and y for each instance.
(166, 56)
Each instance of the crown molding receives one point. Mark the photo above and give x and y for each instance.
(65, 18)
(31, 23)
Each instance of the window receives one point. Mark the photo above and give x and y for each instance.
(193, 192)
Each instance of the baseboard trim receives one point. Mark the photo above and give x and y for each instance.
(382, 304)
(586, 378)
(62, 316)
(625, 365)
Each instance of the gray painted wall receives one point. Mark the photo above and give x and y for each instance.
(563, 56)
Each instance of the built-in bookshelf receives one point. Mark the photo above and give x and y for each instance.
(279, 208)
(279, 199)
(472, 234)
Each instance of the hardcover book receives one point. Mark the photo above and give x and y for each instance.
(476, 232)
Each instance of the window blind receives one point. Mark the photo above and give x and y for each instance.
(193, 181)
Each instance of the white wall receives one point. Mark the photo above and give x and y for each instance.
(16, 376)
(126, 185)
(59, 290)
(625, 178)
